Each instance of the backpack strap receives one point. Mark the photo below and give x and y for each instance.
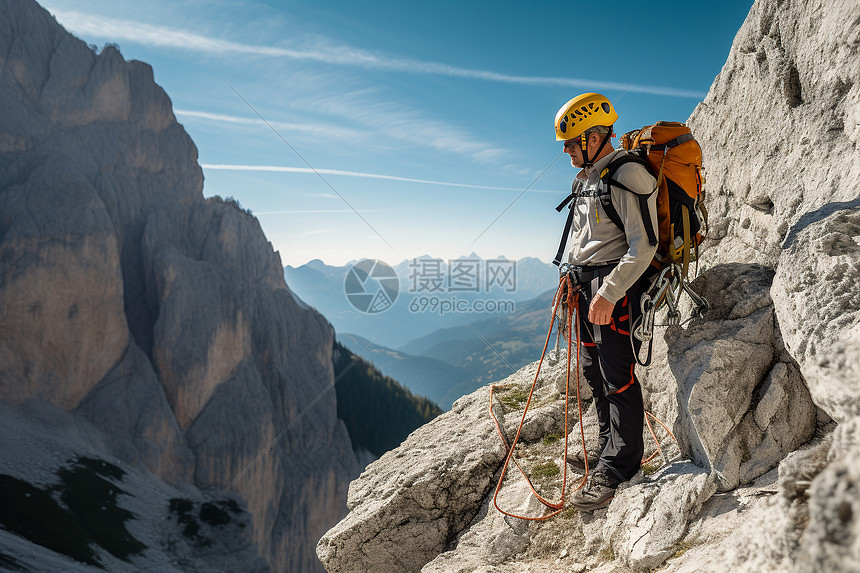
(607, 177)
(574, 194)
(683, 138)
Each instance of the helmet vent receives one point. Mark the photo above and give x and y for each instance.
(582, 113)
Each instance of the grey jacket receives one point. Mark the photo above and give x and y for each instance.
(595, 239)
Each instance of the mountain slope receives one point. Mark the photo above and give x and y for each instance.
(156, 316)
(378, 412)
(761, 393)
(491, 348)
(452, 362)
(422, 375)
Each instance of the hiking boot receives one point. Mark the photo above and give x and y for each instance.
(576, 459)
(597, 492)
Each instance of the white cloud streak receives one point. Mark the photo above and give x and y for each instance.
(315, 211)
(315, 129)
(160, 36)
(308, 171)
(318, 232)
(397, 122)
(382, 118)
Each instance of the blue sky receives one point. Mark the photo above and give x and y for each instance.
(424, 122)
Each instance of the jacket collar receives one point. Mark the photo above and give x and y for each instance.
(601, 164)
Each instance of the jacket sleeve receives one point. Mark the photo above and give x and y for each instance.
(639, 253)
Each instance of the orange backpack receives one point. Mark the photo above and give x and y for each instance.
(669, 150)
(671, 154)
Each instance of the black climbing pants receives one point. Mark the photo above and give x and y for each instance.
(608, 364)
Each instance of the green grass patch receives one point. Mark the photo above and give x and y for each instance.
(551, 439)
(546, 470)
(89, 513)
(91, 498)
(606, 554)
(650, 468)
(515, 398)
(569, 513)
(682, 548)
(214, 514)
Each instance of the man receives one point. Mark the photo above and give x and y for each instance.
(607, 263)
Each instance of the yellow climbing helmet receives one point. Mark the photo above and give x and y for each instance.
(582, 112)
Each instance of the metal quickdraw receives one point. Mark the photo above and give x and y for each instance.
(667, 289)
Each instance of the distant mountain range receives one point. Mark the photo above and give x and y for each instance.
(452, 362)
(435, 352)
(428, 287)
(425, 376)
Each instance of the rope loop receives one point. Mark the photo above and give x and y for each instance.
(570, 295)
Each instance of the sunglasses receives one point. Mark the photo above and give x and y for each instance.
(571, 143)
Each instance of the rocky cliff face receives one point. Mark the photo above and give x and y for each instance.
(752, 391)
(160, 317)
(780, 129)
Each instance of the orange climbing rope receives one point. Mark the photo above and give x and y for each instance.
(572, 297)
(653, 435)
(565, 287)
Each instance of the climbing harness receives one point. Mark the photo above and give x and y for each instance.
(667, 289)
(567, 293)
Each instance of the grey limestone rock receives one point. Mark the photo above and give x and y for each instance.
(778, 352)
(818, 305)
(646, 521)
(492, 538)
(736, 400)
(407, 506)
(780, 130)
(780, 126)
(180, 528)
(743, 407)
(160, 316)
(831, 536)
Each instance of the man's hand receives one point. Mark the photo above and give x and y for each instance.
(600, 310)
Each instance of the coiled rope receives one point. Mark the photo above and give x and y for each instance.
(565, 292)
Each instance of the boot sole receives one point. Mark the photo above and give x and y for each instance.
(594, 507)
(579, 466)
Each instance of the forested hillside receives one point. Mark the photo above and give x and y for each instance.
(378, 412)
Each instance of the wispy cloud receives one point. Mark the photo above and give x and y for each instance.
(385, 119)
(315, 129)
(306, 170)
(396, 121)
(315, 211)
(321, 232)
(327, 52)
